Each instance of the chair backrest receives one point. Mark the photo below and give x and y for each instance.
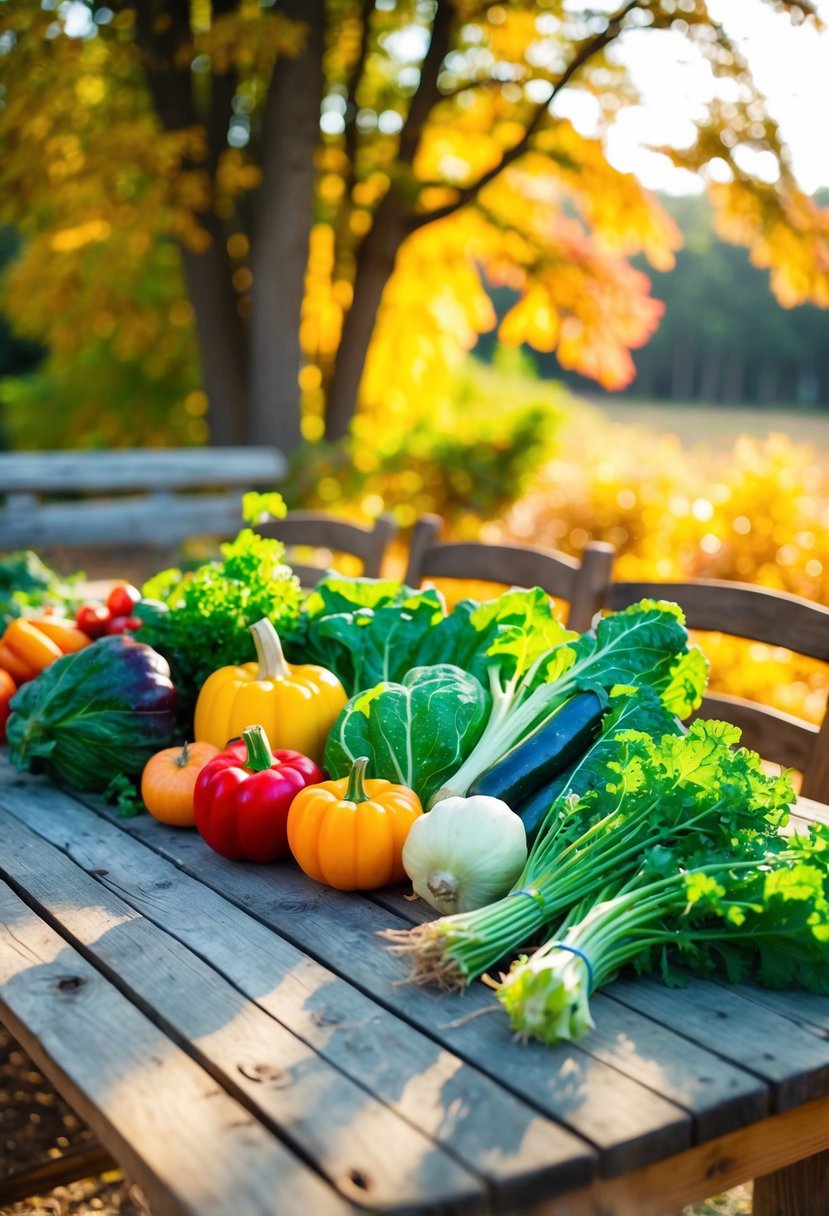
(329, 535)
(583, 584)
(748, 611)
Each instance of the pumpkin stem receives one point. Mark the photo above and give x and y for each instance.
(272, 663)
(183, 758)
(259, 757)
(356, 790)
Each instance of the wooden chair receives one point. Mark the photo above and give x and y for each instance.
(583, 584)
(329, 535)
(748, 611)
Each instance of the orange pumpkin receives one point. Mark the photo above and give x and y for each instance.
(350, 833)
(168, 779)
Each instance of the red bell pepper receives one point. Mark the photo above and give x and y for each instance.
(242, 797)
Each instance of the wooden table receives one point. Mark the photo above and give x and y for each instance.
(239, 1040)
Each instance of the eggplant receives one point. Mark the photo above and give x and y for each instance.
(535, 761)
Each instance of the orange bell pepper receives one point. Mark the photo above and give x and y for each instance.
(31, 644)
(7, 690)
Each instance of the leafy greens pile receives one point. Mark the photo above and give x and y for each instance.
(28, 584)
(200, 620)
(661, 849)
(510, 656)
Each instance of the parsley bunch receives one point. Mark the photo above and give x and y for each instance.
(200, 620)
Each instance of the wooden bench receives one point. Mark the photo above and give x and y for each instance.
(142, 497)
(240, 1041)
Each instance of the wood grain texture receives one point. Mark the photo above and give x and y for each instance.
(317, 530)
(793, 1061)
(187, 1143)
(801, 1189)
(139, 521)
(518, 1151)
(742, 609)
(626, 1121)
(583, 584)
(766, 1147)
(777, 618)
(719, 1096)
(367, 1152)
(157, 516)
(139, 469)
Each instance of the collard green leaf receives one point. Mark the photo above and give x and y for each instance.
(368, 630)
(100, 711)
(414, 732)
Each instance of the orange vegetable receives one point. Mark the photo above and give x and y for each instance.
(168, 779)
(7, 690)
(350, 833)
(31, 644)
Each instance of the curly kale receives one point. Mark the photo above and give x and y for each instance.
(200, 620)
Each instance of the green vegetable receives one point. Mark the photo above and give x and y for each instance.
(91, 715)
(416, 732)
(691, 791)
(758, 908)
(534, 667)
(365, 630)
(200, 621)
(544, 752)
(27, 583)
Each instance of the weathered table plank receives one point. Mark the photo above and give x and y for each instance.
(367, 1152)
(719, 1096)
(626, 1121)
(792, 1060)
(161, 1115)
(459, 1106)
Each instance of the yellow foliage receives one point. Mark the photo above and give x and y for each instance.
(758, 513)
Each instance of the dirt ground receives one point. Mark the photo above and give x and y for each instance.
(36, 1124)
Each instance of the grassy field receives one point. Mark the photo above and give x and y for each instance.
(717, 426)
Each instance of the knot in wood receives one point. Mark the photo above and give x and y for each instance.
(69, 983)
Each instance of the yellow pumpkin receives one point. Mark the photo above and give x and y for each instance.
(350, 833)
(296, 704)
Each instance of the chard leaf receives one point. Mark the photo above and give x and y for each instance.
(415, 732)
(644, 645)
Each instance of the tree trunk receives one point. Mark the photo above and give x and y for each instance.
(281, 228)
(221, 337)
(375, 263)
(220, 329)
(392, 224)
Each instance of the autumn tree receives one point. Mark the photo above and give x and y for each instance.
(343, 178)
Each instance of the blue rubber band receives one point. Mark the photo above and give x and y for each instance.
(531, 893)
(579, 954)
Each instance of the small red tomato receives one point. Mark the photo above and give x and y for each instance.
(93, 618)
(122, 599)
(124, 624)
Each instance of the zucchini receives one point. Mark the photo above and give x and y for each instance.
(532, 763)
(533, 811)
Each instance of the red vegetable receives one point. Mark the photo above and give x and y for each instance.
(124, 624)
(122, 599)
(242, 797)
(93, 618)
